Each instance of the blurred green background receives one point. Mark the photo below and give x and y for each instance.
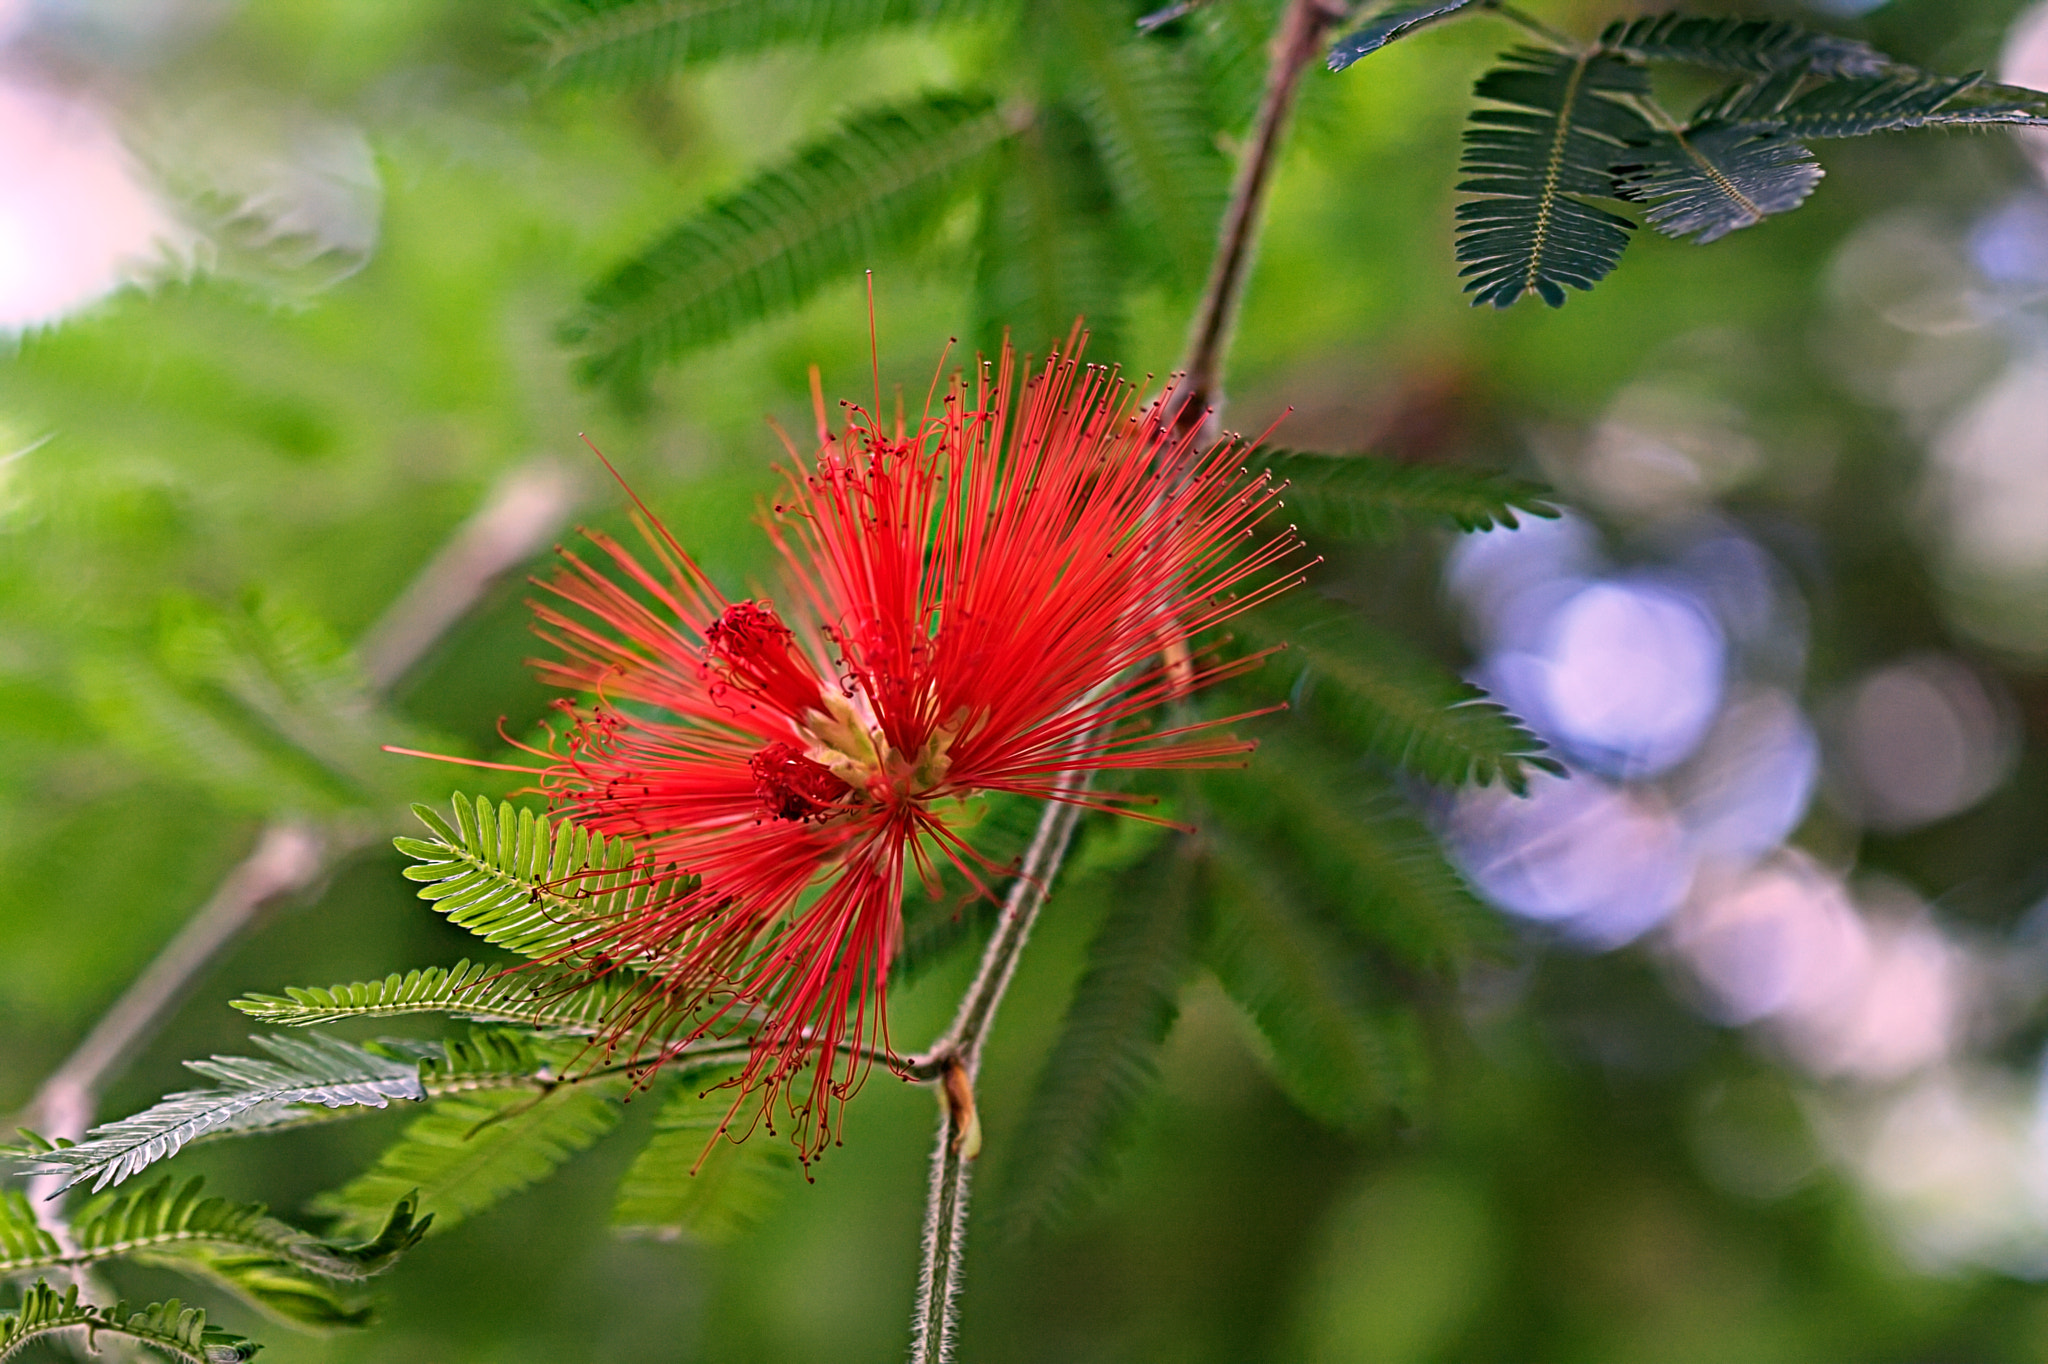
(276, 432)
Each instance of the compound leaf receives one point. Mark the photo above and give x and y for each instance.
(1755, 46)
(1391, 25)
(555, 1001)
(1394, 704)
(1903, 99)
(1344, 840)
(1717, 179)
(874, 185)
(1144, 111)
(524, 883)
(1338, 1059)
(253, 1092)
(690, 1180)
(1368, 497)
(469, 1150)
(278, 1268)
(1530, 232)
(623, 42)
(1105, 1059)
(167, 1327)
(1047, 251)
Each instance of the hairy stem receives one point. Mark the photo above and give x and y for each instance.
(956, 1057)
(954, 1062)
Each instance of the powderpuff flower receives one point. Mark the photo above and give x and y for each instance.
(990, 603)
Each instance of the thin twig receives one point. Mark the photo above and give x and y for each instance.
(955, 1059)
(524, 510)
(1296, 45)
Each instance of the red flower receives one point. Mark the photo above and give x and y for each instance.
(988, 604)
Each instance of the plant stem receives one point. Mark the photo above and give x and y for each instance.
(1297, 44)
(956, 1058)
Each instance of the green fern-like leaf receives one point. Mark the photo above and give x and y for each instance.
(689, 1181)
(24, 1243)
(169, 1328)
(278, 1268)
(262, 706)
(1708, 182)
(162, 1217)
(302, 1072)
(554, 1001)
(522, 883)
(1756, 46)
(875, 185)
(1391, 25)
(1104, 1061)
(1531, 231)
(1344, 840)
(1143, 108)
(1047, 251)
(1367, 497)
(468, 1151)
(1392, 703)
(1338, 1058)
(1898, 100)
(622, 42)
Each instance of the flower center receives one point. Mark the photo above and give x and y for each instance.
(792, 786)
(855, 750)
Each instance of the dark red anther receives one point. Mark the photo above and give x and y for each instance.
(754, 645)
(791, 785)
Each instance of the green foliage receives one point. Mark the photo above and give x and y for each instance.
(276, 1267)
(1369, 497)
(1391, 25)
(522, 883)
(263, 705)
(1724, 177)
(1143, 107)
(1341, 1060)
(1899, 99)
(1534, 163)
(631, 41)
(1581, 123)
(468, 1151)
(553, 1001)
(166, 1327)
(24, 1243)
(875, 185)
(692, 1181)
(1048, 249)
(252, 1093)
(1104, 1061)
(1391, 702)
(1757, 46)
(1348, 843)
